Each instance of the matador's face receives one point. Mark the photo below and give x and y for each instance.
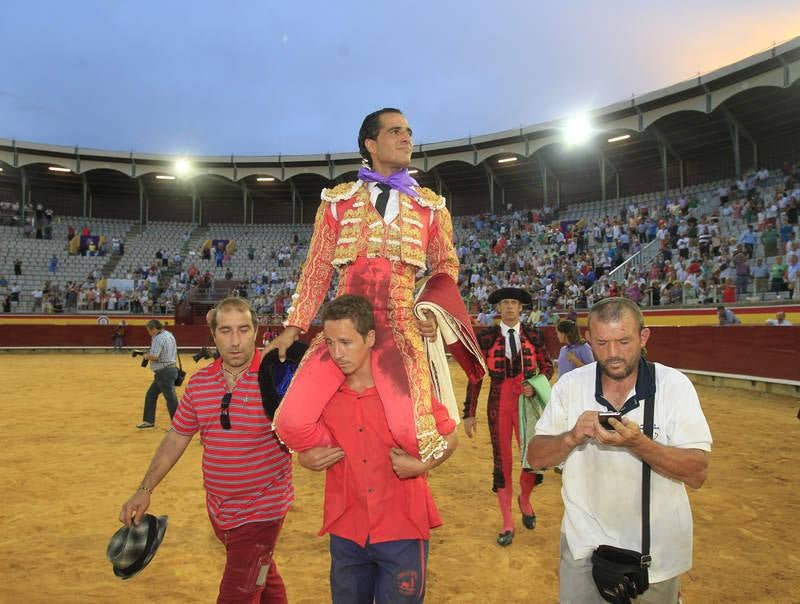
(391, 149)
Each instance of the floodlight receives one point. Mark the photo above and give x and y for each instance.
(622, 137)
(164, 177)
(58, 169)
(578, 130)
(265, 179)
(507, 160)
(182, 166)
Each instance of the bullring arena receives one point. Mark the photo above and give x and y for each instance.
(71, 454)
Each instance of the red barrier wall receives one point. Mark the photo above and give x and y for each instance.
(769, 352)
(743, 349)
(67, 336)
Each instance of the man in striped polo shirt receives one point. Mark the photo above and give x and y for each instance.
(247, 474)
(162, 355)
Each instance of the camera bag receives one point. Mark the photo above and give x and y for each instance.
(181, 372)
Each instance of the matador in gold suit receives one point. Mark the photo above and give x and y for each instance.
(377, 257)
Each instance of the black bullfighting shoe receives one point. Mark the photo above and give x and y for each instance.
(528, 520)
(504, 539)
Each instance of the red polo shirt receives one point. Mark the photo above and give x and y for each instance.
(364, 498)
(247, 474)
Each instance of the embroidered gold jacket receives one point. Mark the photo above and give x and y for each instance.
(420, 237)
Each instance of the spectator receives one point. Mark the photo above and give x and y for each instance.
(729, 292)
(793, 275)
(575, 352)
(726, 316)
(769, 239)
(742, 271)
(38, 297)
(780, 320)
(778, 275)
(748, 239)
(760, 276)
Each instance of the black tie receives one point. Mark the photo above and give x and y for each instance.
(383, 198)
(512, 343)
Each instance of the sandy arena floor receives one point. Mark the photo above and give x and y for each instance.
(71, 456)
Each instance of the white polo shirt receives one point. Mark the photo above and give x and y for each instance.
(602, 486)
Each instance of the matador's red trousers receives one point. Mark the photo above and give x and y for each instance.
(507, 435)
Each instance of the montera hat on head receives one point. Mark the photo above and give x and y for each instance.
(132, 548)
(510, 293)
(274, 377)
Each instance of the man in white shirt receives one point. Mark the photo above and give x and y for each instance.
(603, 468)
(37, 295)
(780, 320)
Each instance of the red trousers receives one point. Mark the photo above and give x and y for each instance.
(507, 435)
(251, 575)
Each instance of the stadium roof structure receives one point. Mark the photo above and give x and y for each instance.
(716, 125)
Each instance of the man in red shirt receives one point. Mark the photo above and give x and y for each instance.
(247, 473)
(378, 506)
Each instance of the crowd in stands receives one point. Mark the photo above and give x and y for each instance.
(704, 249)
(735, 242)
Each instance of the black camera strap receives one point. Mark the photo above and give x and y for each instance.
(649, 415)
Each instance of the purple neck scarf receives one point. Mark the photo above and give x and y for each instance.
(401, 180)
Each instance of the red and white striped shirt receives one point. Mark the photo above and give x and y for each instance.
(247, 473)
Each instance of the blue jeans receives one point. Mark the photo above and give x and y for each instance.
(388, 572)
(163, 383)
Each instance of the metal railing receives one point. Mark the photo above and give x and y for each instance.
(643, 256)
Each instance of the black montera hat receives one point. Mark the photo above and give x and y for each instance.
(510, 293)
(132, 548)
(274, 377)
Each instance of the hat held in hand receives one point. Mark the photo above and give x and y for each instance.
(274, 377)
(132, 548)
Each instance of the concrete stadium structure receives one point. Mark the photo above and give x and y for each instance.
(711, 127)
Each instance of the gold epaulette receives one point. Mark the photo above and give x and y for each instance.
(429, 198)
(340, 192)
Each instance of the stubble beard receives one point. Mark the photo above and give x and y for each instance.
(626, 371)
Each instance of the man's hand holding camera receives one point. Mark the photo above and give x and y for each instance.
(141, 353)
(583, 430)
(626, 433)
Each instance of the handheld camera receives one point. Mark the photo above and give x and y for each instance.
(604, 416)
(139, 353)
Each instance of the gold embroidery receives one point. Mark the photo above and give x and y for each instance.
(411, 250)
(409, 344)
(430, 199)
(350, 241)
(340, 192)
(442, 256)
(315, 276)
